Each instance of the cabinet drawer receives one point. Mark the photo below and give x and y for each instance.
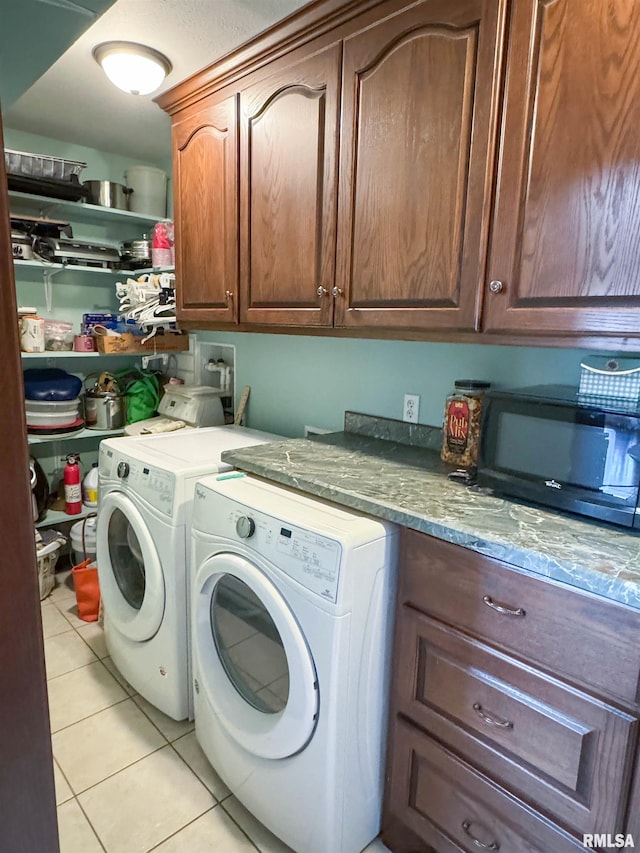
(568, 753)
(573, 633)
(434, 789)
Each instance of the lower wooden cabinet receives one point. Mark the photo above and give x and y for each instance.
(452, 807)
(489, 750)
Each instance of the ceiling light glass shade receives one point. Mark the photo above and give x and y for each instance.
(134, 68)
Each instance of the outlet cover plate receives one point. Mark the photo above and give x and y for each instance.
(411, 408)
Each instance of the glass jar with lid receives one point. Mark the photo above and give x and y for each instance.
(462, 424)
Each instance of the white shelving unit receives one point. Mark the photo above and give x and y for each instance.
(113, 225)
(75, 436)
(75, 211)
(33, 270)
(52, 517)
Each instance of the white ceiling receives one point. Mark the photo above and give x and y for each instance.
(75, 102)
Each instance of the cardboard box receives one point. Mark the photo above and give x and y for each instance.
(129, 344)
(115, 344)
(162, 343)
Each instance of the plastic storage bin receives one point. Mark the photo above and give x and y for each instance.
(89, 525)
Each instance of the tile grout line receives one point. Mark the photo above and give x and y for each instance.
(231, 817)
(218, 802)
(92, 714)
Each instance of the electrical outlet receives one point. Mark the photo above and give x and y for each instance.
(411, 408)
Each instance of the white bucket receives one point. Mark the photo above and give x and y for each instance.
(89, 540)
(149, 187)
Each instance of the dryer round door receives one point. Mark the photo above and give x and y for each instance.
(129, 569)
(254, 663)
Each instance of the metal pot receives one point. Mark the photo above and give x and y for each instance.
(103, 411)
(104, 405)
(137, 249)
(108, 194)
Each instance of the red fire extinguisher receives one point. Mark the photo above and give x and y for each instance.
(72, 488)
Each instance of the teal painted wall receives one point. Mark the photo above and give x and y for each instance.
(101, 166)
(298, 380)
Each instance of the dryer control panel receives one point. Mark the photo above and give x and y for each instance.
(151, 484)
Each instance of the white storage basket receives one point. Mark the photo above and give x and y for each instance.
(610, 377)
(48, 545)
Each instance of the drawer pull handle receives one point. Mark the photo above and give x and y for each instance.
(500, 608)
(466, 825)
(493, 721)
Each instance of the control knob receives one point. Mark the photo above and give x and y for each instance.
(123, 470)
(245, 527)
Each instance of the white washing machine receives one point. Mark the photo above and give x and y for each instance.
(292, 611)
(146, 488)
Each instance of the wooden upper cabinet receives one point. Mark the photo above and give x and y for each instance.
(419, 107)
(565, 243)
(288, 150)
(206, 211)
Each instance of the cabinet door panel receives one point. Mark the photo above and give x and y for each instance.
(565, 237)
(206, 213)
(288, 145)
(418, 115)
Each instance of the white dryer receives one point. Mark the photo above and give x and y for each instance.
(143, 535)
(292, 611)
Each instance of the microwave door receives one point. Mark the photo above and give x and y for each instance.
(580, 460)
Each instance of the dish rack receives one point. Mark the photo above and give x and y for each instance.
(48, 545)
(41, 165)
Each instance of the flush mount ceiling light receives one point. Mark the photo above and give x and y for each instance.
(134, 68)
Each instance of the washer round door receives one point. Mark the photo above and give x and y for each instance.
(254, 663)
(129, 569)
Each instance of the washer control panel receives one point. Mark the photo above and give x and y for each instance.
(153, 485)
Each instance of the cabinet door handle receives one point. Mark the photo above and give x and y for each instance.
(501, 608)
(490, 719)
(322, 291)
(466, 825)
(496, 286)
(336, 291)
(229, 295)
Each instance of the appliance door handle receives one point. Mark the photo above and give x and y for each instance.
(502, 608)
(490, 719)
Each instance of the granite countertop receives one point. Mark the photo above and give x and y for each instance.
(409, 485)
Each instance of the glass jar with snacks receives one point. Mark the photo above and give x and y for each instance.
(462, 424)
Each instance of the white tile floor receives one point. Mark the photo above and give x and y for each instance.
(128, 778)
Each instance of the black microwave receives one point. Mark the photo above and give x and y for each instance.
(551, 446)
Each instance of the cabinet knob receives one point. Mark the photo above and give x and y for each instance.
(495, 286)
(322, 291)
(337, 291)
(228, 295)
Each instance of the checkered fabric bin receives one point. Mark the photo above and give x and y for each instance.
(610, 377)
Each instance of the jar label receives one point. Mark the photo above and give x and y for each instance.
(457, 426)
